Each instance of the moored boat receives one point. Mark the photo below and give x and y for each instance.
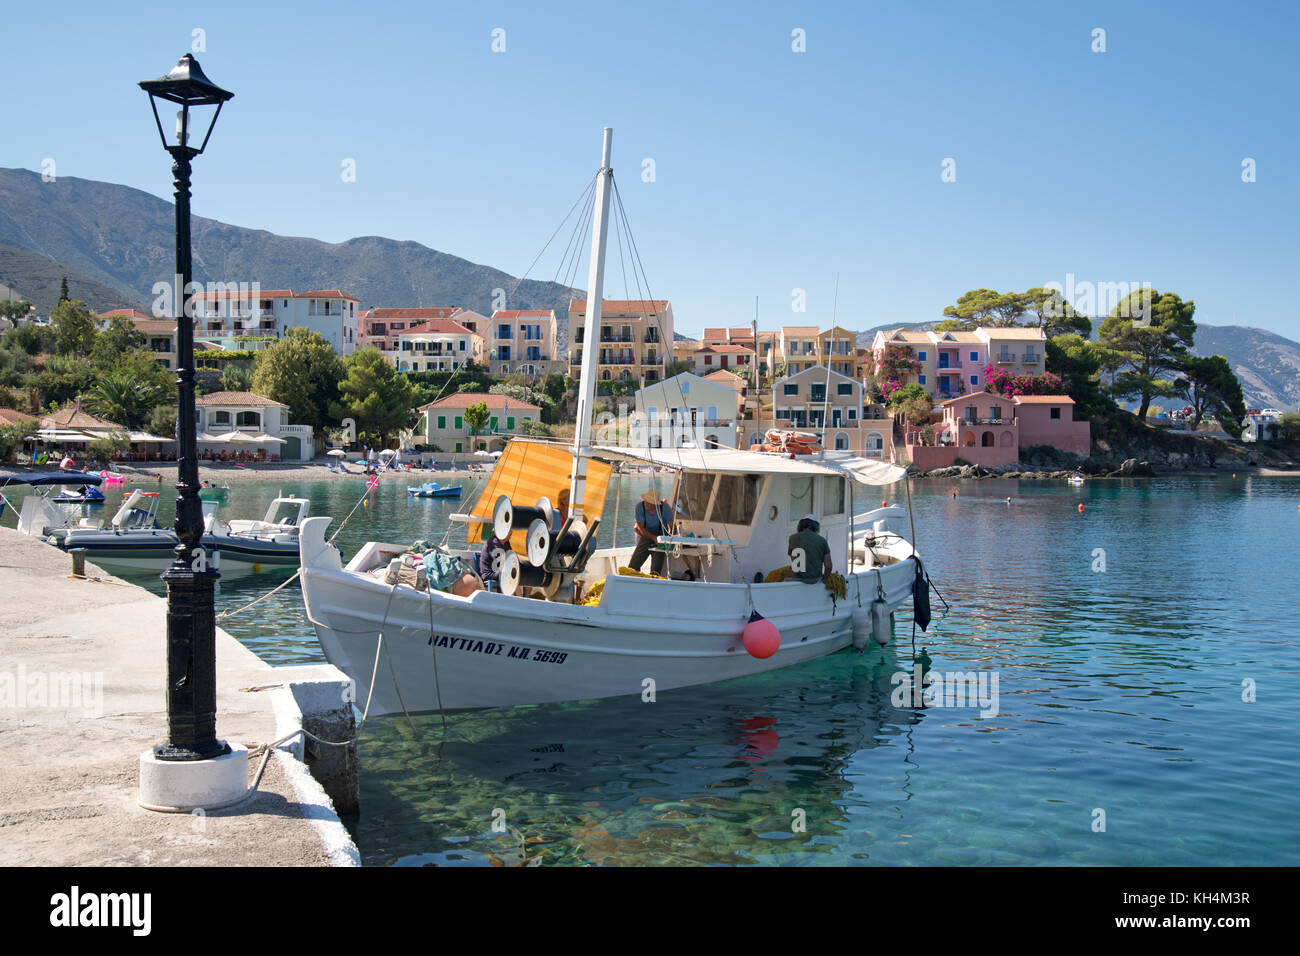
(563, 621)
(431, 489)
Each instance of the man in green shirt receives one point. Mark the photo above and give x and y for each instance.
(810, 555)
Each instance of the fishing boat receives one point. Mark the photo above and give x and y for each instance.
(566, 623)
(431, 489)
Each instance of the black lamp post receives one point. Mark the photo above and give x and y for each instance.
(191, 618)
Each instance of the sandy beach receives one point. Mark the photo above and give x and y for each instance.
(225, 473)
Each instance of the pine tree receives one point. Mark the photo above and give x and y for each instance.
(63, 290)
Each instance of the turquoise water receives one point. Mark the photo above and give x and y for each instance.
(1119, 690)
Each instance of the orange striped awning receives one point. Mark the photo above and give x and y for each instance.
(527, 471)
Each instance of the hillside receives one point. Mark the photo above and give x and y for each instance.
(123, 238)
(1267, 365)
(38, 280)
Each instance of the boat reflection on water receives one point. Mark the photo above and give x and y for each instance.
(754, 770)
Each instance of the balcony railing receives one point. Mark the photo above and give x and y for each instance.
(986, 421)
(1005, 359)
(951, 365)
(1031, 359)
(617, 338)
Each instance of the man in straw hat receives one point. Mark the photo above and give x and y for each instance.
(653, 517)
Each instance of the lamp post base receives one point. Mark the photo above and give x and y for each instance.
(177, 786)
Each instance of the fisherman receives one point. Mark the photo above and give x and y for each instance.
(653, 518)
(810, 555)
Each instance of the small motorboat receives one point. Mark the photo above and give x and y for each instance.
(431, 489)
(1075, 479)
(81, 495)
(135, 540)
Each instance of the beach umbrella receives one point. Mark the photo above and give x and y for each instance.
(387, 452)
(337, 453)
(236, 438)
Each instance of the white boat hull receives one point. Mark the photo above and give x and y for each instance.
(443, 652)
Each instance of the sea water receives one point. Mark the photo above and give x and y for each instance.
(1144, 654)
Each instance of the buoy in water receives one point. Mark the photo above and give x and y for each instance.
(1081, 507)
(760, 637)
(885, 503)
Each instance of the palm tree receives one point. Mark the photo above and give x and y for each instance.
(124, 400)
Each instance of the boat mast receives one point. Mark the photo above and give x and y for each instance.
(591, 331)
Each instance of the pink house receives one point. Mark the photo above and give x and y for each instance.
(988, 429)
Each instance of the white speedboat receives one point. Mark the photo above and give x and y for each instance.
(134, 540)
(536, 641)
(1076, 479)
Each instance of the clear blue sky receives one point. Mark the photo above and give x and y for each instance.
(774, 169)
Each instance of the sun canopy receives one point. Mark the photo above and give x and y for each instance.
(50, 478)
(866, 471)
(146, 438)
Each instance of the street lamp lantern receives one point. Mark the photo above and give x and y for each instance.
(191, 580)
(188, 87)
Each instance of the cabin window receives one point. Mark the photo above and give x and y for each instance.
(832, 495)
(737, 499)
(801, 497)
(693, 495)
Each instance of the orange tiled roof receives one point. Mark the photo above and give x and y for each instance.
(434, 326)
(494, 403)
(236, 398)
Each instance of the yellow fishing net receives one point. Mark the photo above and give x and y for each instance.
(592, 597)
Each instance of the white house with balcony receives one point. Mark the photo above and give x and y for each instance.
(438, 345)
(686, 410)
(224, 317)
(245, 424)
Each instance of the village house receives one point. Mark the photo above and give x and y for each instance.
(379, 327)
(224, 316)
(766, 353)
(236, 424)
(438, 345)
(636, 337)
(798, 348)
(987, 429)
(823, 400)
(522, 342)
(953, 363)
(443, 423)
(686, 409)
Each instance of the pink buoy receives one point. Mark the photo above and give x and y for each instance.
(760, 637)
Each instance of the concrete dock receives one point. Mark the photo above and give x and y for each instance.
(82, 676)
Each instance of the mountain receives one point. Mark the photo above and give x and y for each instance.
(1267, 365)
(25, 275)
(124, 238)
